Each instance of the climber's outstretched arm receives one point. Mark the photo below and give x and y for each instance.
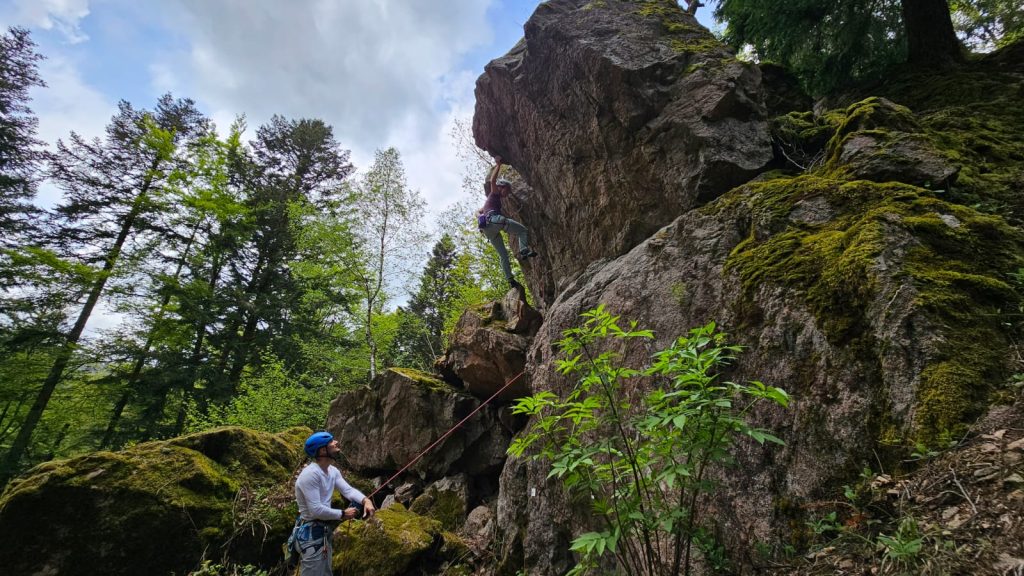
(492, 178)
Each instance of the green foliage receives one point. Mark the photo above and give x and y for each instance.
(388, 214)
(988, 24)
(824, 43)
(644, 467)
(269, 399)
(421, 335)
(211, 569)
(20, 151)
(903, 547)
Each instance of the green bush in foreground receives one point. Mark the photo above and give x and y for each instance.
(643, 467)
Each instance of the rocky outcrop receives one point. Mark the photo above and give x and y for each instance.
(871, 287)
(384, 426)
(156, 508)
(882, 141)
(488, 349)
(620, 116)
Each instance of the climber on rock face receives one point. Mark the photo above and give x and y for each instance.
(491, 222)
(311, 537)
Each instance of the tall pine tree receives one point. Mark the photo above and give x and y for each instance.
(20, 152)
(110, 188)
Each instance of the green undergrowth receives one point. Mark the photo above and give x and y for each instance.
(958, 261)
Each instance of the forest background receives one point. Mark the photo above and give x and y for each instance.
(255, 274)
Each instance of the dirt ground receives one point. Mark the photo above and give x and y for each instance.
(960, 513)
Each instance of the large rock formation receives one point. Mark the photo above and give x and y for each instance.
(620, 116)
(156, 508)
(870, 288)
(385, 426)
(487, 353)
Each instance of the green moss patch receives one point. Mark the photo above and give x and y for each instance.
(396, 541)
(682, 32)
(429, 382)
(958, 260)
(155, 508)
(445, 506)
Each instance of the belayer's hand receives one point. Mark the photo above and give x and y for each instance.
(368, 508)
(349, 513)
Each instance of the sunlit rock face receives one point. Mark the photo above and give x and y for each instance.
(619, 116)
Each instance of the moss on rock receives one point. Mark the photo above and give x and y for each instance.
(154, 508)
(445, 506)
(390, 544)
(428, 381)
(957, 259)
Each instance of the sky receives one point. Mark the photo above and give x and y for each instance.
(381, 72)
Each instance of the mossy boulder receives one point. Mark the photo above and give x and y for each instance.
(881, 286)
(395, 542)
(947, 265)
(156, 508)
(445, 501)
(882, 141)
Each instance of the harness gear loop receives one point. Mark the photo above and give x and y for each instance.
(445, 435)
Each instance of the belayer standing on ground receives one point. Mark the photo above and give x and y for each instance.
(314, 488)
(491, 222)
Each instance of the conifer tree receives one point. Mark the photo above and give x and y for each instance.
(204, 208)
(292, 162)
(110, 187)
(831, 43)
(20, 153)
(421, 336)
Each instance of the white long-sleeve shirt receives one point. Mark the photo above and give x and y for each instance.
(314, 488)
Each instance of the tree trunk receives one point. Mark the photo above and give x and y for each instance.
(35, 413)
(140, 362)
(931, 40)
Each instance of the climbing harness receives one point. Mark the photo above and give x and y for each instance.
(445, 435)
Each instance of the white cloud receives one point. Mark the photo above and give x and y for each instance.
(163, 78)
(66, 104)
(63, 15)
(382, 73)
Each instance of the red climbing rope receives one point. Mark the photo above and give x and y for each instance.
(445, 435)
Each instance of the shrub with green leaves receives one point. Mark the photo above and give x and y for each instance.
(644, 466)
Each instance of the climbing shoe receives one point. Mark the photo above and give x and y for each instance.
(526, 253)
(514, 285)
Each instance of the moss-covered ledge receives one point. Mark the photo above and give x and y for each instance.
(960, 262)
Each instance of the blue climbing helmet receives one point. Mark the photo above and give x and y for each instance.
(317, 441)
